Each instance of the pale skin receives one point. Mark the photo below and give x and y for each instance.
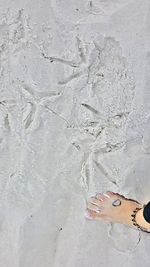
(114, 207)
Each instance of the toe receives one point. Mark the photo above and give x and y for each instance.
(95, 201)
(114, 195)
(101, 197)
(90, 214)
(110, 193)
(93, 215)
(94, 207)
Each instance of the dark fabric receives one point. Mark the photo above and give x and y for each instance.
(146, 212)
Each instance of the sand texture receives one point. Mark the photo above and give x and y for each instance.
(74, 120)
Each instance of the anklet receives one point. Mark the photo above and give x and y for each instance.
(135, 223)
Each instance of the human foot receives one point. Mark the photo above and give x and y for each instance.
(114, 207)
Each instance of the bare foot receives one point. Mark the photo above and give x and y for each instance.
(114, 207)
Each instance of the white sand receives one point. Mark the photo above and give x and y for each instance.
(74, 120)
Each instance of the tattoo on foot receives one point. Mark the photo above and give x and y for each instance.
(116, 203)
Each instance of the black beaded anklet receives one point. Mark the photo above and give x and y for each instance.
(135, 223)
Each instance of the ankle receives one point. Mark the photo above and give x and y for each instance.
(146, 212)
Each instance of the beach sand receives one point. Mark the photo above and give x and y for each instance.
(74, 120)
